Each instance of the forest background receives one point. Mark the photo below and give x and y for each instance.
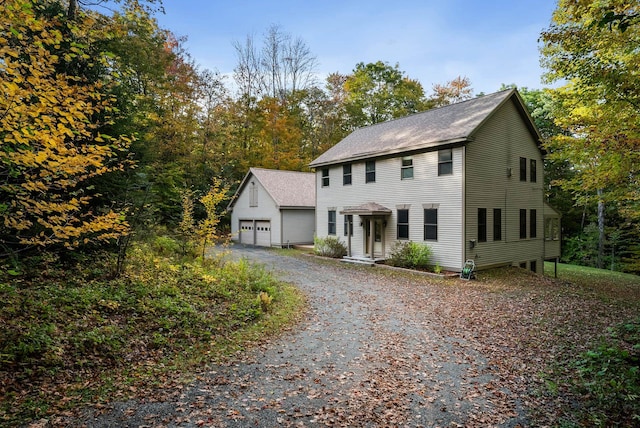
(109, 127)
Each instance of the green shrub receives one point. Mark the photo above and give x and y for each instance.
(409, 254)
(329, 247)
(166, 246)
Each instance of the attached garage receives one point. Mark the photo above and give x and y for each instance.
(263, 233)
(273, 208)
(246, 232)
(255, 232)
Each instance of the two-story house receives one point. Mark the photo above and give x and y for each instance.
(466, 179)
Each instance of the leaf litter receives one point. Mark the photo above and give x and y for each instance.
(386, 349)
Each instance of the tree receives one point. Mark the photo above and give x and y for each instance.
(52, 130)
(454, 91)
(377, 92)
(280, 67)
(599, 105)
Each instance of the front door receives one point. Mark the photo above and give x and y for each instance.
(378, 249)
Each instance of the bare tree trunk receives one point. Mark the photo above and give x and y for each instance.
(73, 8)
(600, 259)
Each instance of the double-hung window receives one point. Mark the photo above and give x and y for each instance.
(431, 224)
(445, 162)
(325, 177)
(523, 169)
(482, 225)
(533, 171)
(403, 224)
(370, 172)
(523, 224)
(497, 224)
(533, 224)
(331, 229)
(406, 170)
(346, 174)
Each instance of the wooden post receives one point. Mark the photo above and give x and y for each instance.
(372, 235)
(349, 232)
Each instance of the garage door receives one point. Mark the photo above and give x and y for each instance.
(246, 232)
(263, 233)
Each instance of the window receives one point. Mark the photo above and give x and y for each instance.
(533, 265)
(523, 169)
(332, 223)
(482, 225)
(348, 225)
(370, 172)
(523, 265)
(497, 224)
(403, 224)
(532, 171)
(551, 229)
(406, 170)
(431, 224)
(346, 174)
(533, 224)
(523, 224)
(325, 177)
(253, 195)
(445, 162)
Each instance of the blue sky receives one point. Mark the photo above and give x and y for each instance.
(490, 42)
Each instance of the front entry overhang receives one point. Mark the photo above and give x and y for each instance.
(368, 209)
(369, 213)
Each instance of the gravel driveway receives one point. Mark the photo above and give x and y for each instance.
(371, 351)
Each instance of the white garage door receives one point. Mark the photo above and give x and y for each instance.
(263, 233)
(246, 232)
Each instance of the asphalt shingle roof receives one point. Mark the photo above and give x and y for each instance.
(287, 188)
(448, 124)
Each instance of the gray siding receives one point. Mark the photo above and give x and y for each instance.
(266, 210)
(389, 190)
(493, 181)
(297, 226)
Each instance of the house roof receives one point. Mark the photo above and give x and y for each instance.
(289, 189)
(454, 123)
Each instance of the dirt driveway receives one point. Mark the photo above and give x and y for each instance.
(374, 350)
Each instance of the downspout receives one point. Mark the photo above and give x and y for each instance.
(281, 227)
(464, 204)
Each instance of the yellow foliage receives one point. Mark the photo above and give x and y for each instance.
(50, 145)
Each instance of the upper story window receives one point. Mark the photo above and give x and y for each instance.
(523, 169)
(533, 171)
(445, 162)
(403, 224)
(253, 195)
(370, 172)
(325, 177)
(482, 225)
(406, 171)
(523, 224)
(346, 174)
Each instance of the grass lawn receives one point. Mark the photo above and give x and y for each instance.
(616, 287)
